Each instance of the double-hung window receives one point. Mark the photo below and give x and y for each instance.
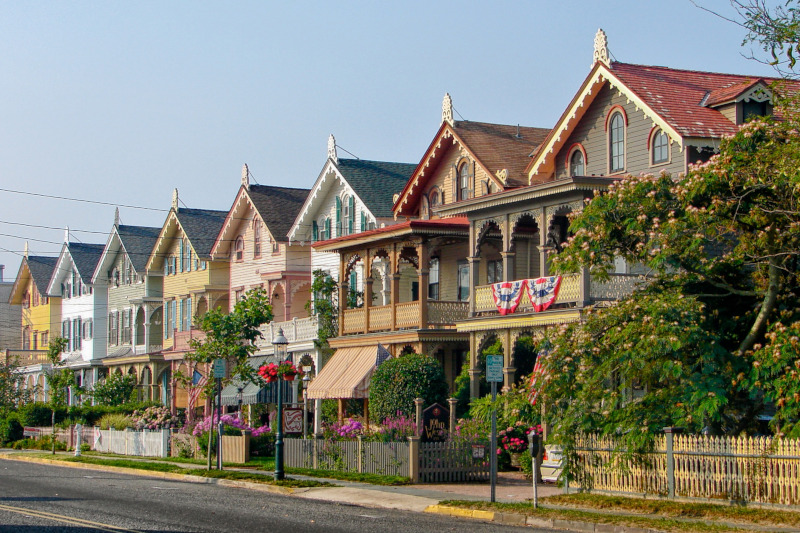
(616, 140)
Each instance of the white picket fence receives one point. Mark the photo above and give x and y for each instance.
(384, 458)
(141, 443)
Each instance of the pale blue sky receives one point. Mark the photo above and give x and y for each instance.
(123, 101)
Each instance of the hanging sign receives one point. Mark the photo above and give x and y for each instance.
(494, 368)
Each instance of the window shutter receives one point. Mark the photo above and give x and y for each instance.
(363, 221)
(338, 216)
(352, 222)
(189, 313)
(314, 231)
(328, 228)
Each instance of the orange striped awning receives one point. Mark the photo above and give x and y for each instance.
(346, 375)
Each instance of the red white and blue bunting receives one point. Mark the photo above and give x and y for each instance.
(507, 295)
(543, 292)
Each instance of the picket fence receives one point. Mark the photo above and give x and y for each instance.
(142, 443)
(762, 470)
(453, 462)
(384, 458)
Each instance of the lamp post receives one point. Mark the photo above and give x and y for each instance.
(280, 343)
(306, 381)
(239, 392)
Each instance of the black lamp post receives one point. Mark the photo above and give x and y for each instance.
(280, 343)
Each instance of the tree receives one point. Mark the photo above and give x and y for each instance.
(711, 341)
(13, 392)
(325, 306)
(59, 380)
(230, 336)
(115, 389)
(398, 381)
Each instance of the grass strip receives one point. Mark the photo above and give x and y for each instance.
(172, 468)
(373, 479)
(707, 511)
(659, 523)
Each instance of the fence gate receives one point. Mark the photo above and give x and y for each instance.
(453, 462)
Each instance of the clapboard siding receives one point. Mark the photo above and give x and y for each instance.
(591, 134)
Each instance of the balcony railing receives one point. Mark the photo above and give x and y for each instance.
(441, 315)
(142, 349)
(26, 357)
(182, 339)
(616, 287)
(295, 330)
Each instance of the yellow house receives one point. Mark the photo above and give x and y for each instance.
(193, 283)
(41, 317)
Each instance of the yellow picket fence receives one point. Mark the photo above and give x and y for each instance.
(747, 469)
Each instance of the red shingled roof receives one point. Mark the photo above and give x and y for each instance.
(677, 95)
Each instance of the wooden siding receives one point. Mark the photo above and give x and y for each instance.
(591, 134)
(449, 257)
(43, 317)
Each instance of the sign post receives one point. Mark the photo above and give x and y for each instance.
(494, 375)
(219, 373)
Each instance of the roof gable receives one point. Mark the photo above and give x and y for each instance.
(80, 256)
(36, 268)
(502, 151)
(135, 241)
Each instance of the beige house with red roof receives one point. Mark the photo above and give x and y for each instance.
(625, 119)
(425, 256)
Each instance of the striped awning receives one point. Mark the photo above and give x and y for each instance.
(346, 375)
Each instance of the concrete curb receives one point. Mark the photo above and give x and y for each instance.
(516, 519)
(287, 491)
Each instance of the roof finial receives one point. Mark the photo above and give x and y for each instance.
(26, 249)
(245, 176)
(175, 198)
(66, 234)
(332, 155)
(601, 48)
(116, 217)
(447, 109)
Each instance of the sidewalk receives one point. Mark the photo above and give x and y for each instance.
(512, 488)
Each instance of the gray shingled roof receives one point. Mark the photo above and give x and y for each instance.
(139, 242)
(375, 182)
(41, 268)
(85, 257)
(201, 227)
(278, 207)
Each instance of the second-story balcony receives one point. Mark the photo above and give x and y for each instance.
(295, 330)
(576, 290)
(26, 357)
(408, 315)
(183, 338)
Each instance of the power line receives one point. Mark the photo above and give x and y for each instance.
(96, 202)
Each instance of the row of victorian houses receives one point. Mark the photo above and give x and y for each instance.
(419, 250)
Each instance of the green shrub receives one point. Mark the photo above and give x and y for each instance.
(10, 428)
(43, 443)
(263, 445)
(397, 382)
(116, 421)
(352, 409)
(85, 447)
(39, 414)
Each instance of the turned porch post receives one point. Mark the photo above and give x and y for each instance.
(423, 272)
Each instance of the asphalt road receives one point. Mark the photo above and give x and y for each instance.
(50, 499)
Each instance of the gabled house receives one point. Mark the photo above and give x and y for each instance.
(417, 275)
(83, 309)
(135, 316)
(193, 283)
(350, 196)
(625, 119)
(10, 316)
(41, 319)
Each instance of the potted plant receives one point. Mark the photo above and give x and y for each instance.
(288, 371)
(269, 372)
(514, 440)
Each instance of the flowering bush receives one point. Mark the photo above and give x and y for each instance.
(395, 429)
(154, 418)
(471, 429)
(514, 439)
(349, 430)
(231, 426)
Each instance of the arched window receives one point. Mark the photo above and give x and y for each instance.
(256, 238)
(464, 179)
(577, 164)
(239, 249)
(434, 198)
(616, 140)
(660, 147)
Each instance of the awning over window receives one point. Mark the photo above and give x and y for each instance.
(346, 375)
(255, 393)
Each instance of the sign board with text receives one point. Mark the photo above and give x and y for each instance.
(219, 368)
(494, 368)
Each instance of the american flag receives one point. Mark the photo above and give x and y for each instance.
(383, 355)
(198, 382)
(536, 375)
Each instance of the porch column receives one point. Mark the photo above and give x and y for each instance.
(367, 288)
(287, 300)
(509, 369)
(508, 256)
(474, 372)
(342, 292)
(146, 326)
(474, 271)
(422, 257)
(586, 288)
(543, 270)
(394, 279)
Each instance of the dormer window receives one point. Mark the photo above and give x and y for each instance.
(659, 148)
(753, 109)
(434, 198)
(256, 238)
(464, 181)
(239, 249)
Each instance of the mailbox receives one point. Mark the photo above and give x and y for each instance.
(534, 441)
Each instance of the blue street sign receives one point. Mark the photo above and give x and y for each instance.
(494, 368)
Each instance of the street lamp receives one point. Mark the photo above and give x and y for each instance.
(280, 343)
(306, 381)
(239, 392)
